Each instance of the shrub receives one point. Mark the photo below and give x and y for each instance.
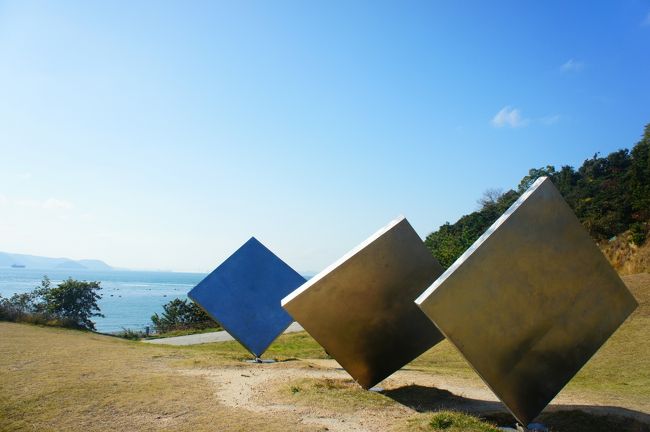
(181, 315)
(130, 334)
(638, 233)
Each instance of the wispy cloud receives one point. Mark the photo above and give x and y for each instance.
(56, 204)
(48, 204)
(509, 116)
(25, 176)
(646, 21)
(512, 117)
(572, 65)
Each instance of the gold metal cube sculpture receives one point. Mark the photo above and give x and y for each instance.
(361, 310)
(530, 301)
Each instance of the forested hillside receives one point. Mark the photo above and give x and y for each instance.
(609, 194)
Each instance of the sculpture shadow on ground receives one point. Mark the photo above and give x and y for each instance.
(565, 418)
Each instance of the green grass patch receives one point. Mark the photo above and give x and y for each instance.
(341, 395)
(450, 421)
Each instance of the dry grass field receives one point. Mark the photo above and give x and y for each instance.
(55, 379)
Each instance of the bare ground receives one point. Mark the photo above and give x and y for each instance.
(264, 389)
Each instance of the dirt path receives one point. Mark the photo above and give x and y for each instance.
(254, 387)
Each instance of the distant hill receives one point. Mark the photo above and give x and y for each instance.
(45, 263)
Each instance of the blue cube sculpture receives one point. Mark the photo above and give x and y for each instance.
(243, 294)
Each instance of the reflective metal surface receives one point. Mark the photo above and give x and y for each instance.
(530, 302)
(361, 310)
(243, 295)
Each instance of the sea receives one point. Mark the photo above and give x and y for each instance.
(129, 298)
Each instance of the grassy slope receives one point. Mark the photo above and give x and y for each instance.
(621, 368)
(54, 379)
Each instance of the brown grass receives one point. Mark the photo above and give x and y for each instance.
(626, 257)
(56, 379)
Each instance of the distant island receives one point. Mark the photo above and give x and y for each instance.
(19, 261)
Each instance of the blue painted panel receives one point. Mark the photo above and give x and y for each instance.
(243, 295)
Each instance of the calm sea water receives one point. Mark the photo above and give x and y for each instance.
(129, 298)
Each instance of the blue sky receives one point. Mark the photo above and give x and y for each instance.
(162, 135)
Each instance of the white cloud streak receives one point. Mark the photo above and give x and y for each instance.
(510, 117)
(572, 65)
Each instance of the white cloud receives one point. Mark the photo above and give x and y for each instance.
(56, 204)
(3, 199)
(572, 65)
(509, 116)
(25, 176)
(646, 21)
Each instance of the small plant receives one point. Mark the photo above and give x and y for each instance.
(457, 422)
(442, 421)
(295, 389)
(130, 334)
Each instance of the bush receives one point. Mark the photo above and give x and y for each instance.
(638, 233)
(71, 303)
(130, 334)
(181, 315)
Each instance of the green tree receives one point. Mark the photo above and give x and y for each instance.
(534, 174)
(450, 241)
(73, 302)
(640, 178)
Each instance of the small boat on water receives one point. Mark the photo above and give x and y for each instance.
(18, 266)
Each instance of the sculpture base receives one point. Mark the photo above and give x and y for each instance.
(259, 360)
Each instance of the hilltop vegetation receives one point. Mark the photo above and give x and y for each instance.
(610, 195)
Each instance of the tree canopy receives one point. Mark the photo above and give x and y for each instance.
(71, 303)
(609, 195)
